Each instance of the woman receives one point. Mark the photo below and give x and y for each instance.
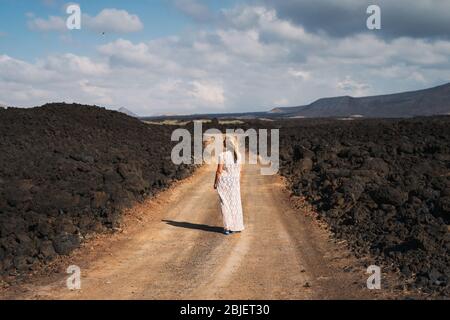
(227, 184)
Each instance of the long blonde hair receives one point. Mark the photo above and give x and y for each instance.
(229, 143)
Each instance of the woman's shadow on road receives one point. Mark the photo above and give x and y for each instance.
(194, 226)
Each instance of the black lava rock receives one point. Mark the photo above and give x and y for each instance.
(383, 185)
(69, 170)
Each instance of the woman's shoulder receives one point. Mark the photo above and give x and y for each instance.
(225, 156)
(222, 156)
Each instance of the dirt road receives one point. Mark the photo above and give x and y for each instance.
(175, 250)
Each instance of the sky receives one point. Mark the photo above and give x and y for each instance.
(158, 57)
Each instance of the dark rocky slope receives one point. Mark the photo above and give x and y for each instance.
(67, 171)
(383, 185)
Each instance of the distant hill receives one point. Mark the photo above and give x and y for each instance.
(128, 112)
(427, 102)
(241, 116)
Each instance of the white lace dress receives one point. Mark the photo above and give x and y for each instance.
(229, 190)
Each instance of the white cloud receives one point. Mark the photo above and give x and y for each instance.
(108, 20)
(98, 94)
(353, 87)
(250, 61)
(304, 75)
(45, 25)
(208, 93)
(248, 45)
(113, 20)
(124, 52)
(268, 24)
(194, 9)
(18, 71)
(70, 63)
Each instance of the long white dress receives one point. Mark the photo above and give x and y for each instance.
(229, 190)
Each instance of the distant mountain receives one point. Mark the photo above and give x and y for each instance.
(128, 112)
(427, 102)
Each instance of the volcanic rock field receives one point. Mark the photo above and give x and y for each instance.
(67, 171)
(382, 185)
